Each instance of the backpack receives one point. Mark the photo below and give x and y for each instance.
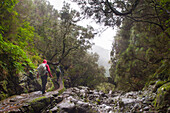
(42, 70)
(58, 70)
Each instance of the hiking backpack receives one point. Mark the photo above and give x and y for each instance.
(42, 70)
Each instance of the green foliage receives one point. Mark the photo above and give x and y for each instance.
(105, 87)
(85, 70)
(163, 71)
(6, 15)
(142, 41)
(3, 85)
(25, 36)
(145, 57)
(15, 55)
(16, 47)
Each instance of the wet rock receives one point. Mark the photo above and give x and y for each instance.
(83, 100)
(29, 83)
(73, 100)
(12, 100)
(146, 108)
(82, 104)
(15, 111)
(56, 94)
(83, 87)
(16, 98)
(58, 99)
(53, 110)
(90, 92)
(66, 106)
(136, 107)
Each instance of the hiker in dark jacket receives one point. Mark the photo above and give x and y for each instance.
(43, 70)
(58, 72)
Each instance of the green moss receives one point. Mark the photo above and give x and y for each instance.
(158, 84)
(152, 82)
(3, 95)
(86, 100)
(4, 84)
(40, 103)
(161, 101)
(37, 99)
(25, 90)
(51, 89)
(163, 71)
(98, 101)
(63, 82)
(50, 111)
(61, 91)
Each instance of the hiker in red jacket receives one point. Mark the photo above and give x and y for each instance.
(43, 70)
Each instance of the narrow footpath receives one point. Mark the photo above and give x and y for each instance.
(16, 101)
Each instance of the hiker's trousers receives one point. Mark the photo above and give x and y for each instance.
(58, 75)
(44, 82)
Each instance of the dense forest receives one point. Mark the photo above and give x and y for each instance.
(32, 30)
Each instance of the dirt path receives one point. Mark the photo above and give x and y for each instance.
(14, 102)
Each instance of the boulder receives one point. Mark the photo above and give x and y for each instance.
(162, 100)
(36, 105)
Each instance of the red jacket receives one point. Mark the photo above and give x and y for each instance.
(48, 68)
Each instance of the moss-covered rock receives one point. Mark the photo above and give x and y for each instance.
(37, 105)
(152, 82)
(61, 91)
(161, 101)
(29, 83)
(158, 84)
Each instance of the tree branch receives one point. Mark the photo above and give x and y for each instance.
(146, 21)
(63, 56)
(116, 12)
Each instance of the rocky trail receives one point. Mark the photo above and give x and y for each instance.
(81, 100)
(14, 103)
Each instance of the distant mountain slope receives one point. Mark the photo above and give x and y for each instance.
(104, 57)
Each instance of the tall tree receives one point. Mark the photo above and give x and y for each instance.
(84, 70)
